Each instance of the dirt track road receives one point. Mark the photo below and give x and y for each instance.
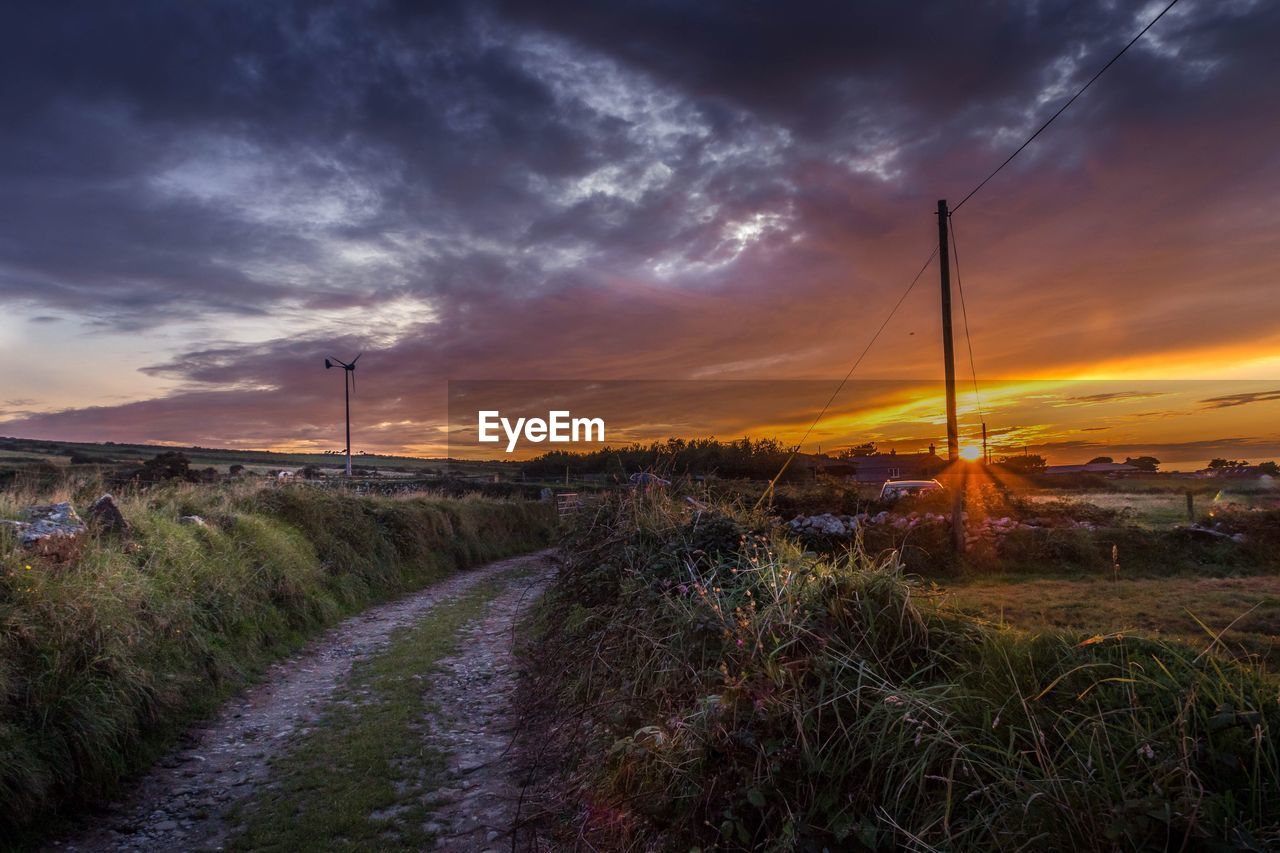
(188, 800)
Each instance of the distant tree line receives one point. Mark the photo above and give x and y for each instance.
(1024, 463)
(745, 458)
(1263, 467)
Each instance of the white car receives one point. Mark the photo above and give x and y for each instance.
(894, 489)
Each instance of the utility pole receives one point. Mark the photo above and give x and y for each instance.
(949, 366)
(948, 345)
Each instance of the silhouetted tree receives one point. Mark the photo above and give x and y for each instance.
(1030, 463)
(865, 449)
(744, 458)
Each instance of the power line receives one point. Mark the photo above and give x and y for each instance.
(1063, 108)
(903, 298)
(955, 251)
(964, 313)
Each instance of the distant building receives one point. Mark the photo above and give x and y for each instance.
(880, 467)
(1108, 468)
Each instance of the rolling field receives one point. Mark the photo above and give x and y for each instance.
(1239, 617)
(20, 451)
(1155, 510)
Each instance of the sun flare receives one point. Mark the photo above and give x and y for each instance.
(970, 453)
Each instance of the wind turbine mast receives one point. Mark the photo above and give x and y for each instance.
(348, 383)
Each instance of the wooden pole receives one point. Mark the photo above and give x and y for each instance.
(949, 367)
(948, 345)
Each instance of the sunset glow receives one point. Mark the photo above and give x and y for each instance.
(565, 194)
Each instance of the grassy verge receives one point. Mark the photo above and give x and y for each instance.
(104, 657)
(1243, 613)
(736, 692)
(1066, 538)
(359, 779)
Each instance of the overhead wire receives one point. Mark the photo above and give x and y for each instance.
(903, 298)
(963, 308)
(1062, 109)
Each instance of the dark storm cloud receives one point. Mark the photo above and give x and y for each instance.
(624, 189)
(1176, 449)
(1109, 397)
(436, 118)
(861, 75)
(174, 157)
(1227, 401)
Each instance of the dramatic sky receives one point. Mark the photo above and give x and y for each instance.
(201, 200)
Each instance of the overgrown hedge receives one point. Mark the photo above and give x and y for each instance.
(104, 658)
(706, 683)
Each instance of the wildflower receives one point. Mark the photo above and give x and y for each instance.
(1147, 752)
(894, 701)
(28, 568)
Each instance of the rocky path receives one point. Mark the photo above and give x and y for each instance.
(186, 801)
(476, 726)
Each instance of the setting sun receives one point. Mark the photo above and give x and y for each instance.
(970, 453)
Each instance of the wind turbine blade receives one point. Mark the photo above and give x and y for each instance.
(354, 360)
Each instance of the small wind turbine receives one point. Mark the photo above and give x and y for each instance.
(348, 383)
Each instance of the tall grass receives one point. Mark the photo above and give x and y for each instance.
(105, 657)
(713, 684)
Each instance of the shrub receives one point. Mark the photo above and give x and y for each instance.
(770, 699)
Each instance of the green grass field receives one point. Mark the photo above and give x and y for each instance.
(26, 450)
(1154, 510)
(1235, 617)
